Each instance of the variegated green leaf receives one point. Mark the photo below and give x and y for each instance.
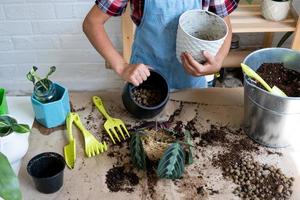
(137, 152)
(171, 165)
(9, 183)
(21, 128)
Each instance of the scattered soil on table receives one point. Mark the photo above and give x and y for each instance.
(119, 180)
(214, 135)
(257, 181)
(151, 177)
(147, 96)
(254, 180)
(285, 79)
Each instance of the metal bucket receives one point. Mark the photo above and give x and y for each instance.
(271, 120)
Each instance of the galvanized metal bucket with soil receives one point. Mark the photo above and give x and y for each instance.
(269, 119)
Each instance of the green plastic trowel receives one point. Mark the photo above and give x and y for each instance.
(70, 149)
(252, 74)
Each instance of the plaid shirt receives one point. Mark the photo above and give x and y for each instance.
(117, 7)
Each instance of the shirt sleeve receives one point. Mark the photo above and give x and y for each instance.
(112, 7)
(223, 7)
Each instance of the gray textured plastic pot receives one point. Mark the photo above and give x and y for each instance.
(271, 120)
(156, 81)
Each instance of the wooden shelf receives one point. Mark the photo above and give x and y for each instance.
(248, 19)
(235, 57)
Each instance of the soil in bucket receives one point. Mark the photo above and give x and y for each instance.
(285, 79)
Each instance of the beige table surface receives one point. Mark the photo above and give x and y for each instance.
(87, 180)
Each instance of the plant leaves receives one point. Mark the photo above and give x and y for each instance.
(188, 140)
(137, 152)
(30, 77)
(5, 130)
(7, 120)
(9, 124)
(52, 69)
(171, 165)
(9, 183)
(20, 128)
(249, 1)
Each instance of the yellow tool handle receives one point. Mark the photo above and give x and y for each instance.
(78, 123)
(247, 70)
(70, 119)
(98, 103)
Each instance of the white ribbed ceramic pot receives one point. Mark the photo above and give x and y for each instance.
(275, 10)
(202, 23)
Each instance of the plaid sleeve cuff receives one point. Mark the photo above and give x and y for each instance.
(223, 7)
(112, 7)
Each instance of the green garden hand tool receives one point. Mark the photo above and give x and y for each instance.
(252, 74)
(112, 125)
(91, 144)
(70, 149)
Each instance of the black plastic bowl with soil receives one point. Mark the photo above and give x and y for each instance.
(148, 99)
(285, 79)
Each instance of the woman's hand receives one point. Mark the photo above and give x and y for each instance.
(135, 73)
(211, 66)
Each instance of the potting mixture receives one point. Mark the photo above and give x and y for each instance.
(253, 180)
(146, 96)
(285, 79)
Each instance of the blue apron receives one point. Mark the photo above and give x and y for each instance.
(155, 41)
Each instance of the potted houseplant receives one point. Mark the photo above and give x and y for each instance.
(13, 140)
(50, 101)
(274, 10)
(9, 183)
(171, 150)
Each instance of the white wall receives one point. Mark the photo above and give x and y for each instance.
(45, 33)
(48, 32)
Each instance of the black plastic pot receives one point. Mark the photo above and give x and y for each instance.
(47, 171)
(155, 81)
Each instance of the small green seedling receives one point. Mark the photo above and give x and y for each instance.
(34, 78)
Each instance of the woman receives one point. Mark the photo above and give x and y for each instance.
(155, 40)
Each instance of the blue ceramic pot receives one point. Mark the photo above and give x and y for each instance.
(53, 113)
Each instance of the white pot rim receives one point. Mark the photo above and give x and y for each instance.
(203, 11)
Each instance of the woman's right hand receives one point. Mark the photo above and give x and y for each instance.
(135, 73)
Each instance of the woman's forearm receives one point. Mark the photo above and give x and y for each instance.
(93, 27)
(222, 53)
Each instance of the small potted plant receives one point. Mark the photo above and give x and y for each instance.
(12, 135)
(171, 150)
(9, 184)
(274, 10)
(3, 102)
(50, 100)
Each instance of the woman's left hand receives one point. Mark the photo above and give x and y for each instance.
(211, 66)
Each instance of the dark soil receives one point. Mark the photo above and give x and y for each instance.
(147, 96)
(254, 180)
(285, 79)
(119, 180)
(214, 135)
